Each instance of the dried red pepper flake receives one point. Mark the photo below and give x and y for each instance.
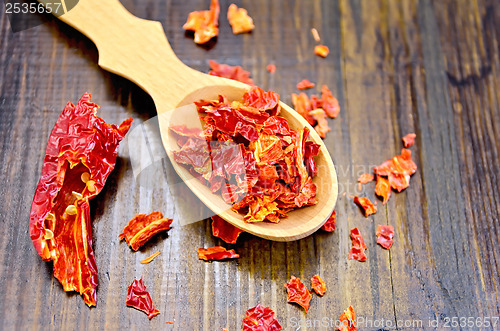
(347, 321)
(398, 170)
(409, 140)
(81, 153)
(367, 205)
(271, 68)
(143, 227)
(383, 189)
(204, 23)
(302, 105)
(321, 50)
(365, 178)
(216, 253)
(305, 84)
(384, 235)
(225, 230)
(260, 318)
(231, 72)
(330, 223)
(358, 247)
(318, 285)
(321, 127)
(239, 19)
(298, 293)
(329, 103)
(252, 157)
(139, 298)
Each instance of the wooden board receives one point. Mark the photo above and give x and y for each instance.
(430, 67)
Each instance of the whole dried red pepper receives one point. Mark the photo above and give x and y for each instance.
(81, 153)
(260, 318)
(139, 298)
(298, 293)
(143, 227)
(318, 285)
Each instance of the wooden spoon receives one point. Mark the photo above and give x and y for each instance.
(138, 50)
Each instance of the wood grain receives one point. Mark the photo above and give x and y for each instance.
(430, 67)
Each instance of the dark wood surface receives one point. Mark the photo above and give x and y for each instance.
(430, 67)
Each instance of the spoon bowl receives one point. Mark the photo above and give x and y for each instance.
(138, 50)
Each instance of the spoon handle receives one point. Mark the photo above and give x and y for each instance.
(134, 48)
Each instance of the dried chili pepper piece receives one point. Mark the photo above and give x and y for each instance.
(81, 153)
(365, 178)
(239, 19)
(347, 321)
(302, 105)
(409, 140)
(143, 227)
(271, 68)
(225, 230)
(330, 223)
(305, 84)
(367, 205)
(321, 50)
(216, 253)
(383, 189)
(318, 285)
(398, 170)
(329, 103)
(321, 127)
(357, 251)
(150, 258)
(384, 236)
(260, 318)
(139, 298)
(204, 23)
(298, 293)
(231, 72)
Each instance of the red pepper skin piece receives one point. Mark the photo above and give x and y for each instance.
(216, 253)
(318, 285)
(80, 142)
(298, 293)
(329, 226)
(139, 298)
(305, 84)
(260, 318)
(143, 227)
(365, 178)
(225, 230)
(384, 236)
(409, 140)
(383, 189)
(368, 207)
(357, 251)
(231, 72)
(347, 321)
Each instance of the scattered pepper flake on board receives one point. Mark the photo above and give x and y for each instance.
(315, 35)
(204, 23)
(169, 322)
(216, 253)
(368, 207)
(239, 19)
(365, 178)
(358, 247)
(318, 285)
(231, 72)
(271, 68)
(383, 189)
(321, 50)
(81, 153)
(298, 293)
(151, 258)
(305, 84)
(329, 103)
(384, 235)
(409, 140)
(255, 161)
(330, 223)
(143, 227)
(225, 230)
(260, 318)
(398, 170)
(321, 127)
(139, 298)
(347, 321)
